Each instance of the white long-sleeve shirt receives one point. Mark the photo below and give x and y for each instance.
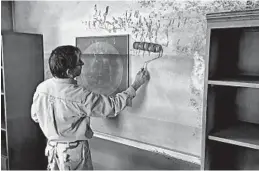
(63, 108)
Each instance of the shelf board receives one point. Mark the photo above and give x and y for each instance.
(4, 156)
(243, 134)
(3, 127)
(236, 82)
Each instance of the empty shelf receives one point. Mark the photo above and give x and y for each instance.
(243, 134)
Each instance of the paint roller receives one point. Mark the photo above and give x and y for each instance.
(150, 47)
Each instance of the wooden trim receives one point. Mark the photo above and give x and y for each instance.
(246, 22)
(205, 92)
(238, 15)
(103, 35)
(151, 148)
(128, 60)
(247, 18)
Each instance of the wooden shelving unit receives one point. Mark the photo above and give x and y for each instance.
(22, 142)
(231, 92)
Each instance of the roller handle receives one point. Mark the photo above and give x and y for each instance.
(151, 47)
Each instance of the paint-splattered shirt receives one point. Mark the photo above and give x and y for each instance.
(63, 108)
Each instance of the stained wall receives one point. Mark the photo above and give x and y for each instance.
(167, 110)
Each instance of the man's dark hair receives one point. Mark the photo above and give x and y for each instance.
(63, 58)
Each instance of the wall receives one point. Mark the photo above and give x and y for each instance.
(174, 91)
(168, 94)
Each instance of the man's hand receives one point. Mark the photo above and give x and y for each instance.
(141, 77)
